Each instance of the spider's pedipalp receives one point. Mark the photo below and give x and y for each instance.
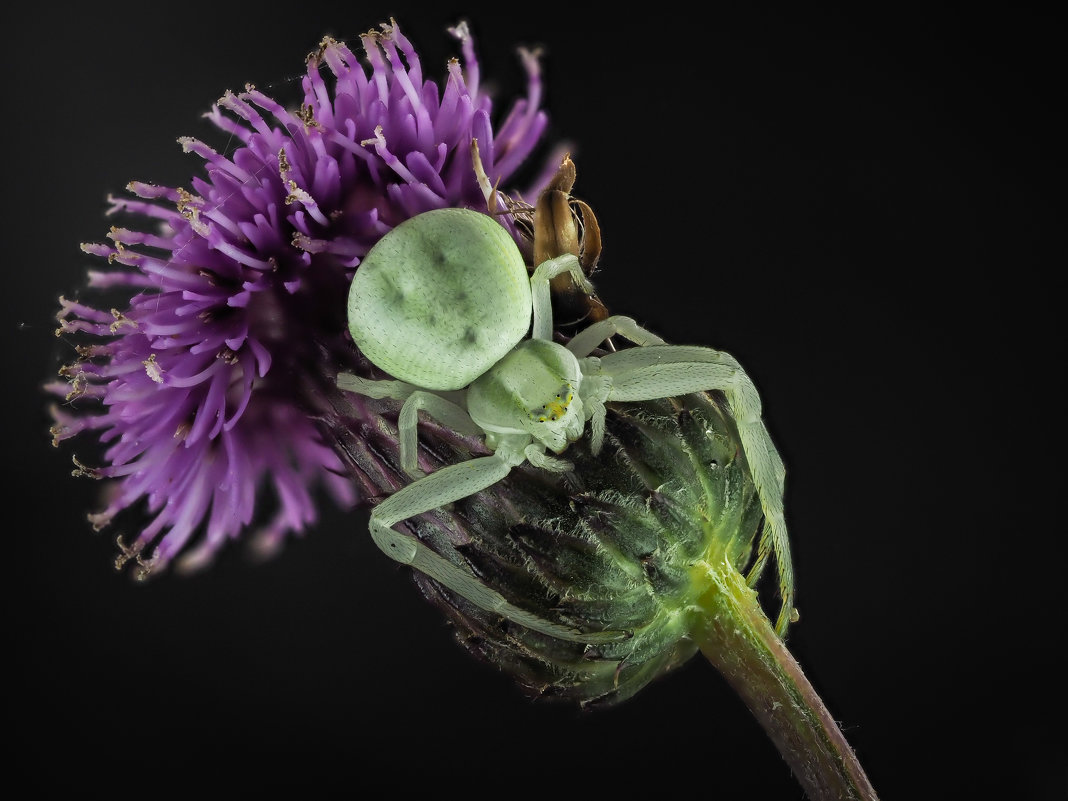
(442, 410)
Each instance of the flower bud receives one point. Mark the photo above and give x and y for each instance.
(619, 545)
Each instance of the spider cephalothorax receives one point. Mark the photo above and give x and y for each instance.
(443, 303)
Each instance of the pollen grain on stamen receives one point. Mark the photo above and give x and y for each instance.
(83, 470)
(132, 553)
(95, 249)
(116, 253)
(152, 369)
(78, 385)
(127, 553)
(120, 320)
(145, 568)
(374, 140)
(306, 115)
(187, 199)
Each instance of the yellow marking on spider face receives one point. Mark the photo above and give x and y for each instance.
(556, 408)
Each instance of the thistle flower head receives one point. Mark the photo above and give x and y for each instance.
(194, 382)
(217, 375)
(214, 379)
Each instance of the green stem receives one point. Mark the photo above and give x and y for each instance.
(737, 638)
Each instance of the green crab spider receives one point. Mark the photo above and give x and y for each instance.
(443, 303)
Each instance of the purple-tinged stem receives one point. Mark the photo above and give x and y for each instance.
(738, 639)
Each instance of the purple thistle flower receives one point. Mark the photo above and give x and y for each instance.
(194, 387)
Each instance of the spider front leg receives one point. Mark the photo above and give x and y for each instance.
(583, 344)
(438, 406)
(442, 410)
(539, 291)
(664, 371)
(585, 341)
(443, 487)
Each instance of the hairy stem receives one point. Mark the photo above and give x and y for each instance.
(737, 638)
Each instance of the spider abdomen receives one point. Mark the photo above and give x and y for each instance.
(441, 299)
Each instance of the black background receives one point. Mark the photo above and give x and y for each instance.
(860, 207)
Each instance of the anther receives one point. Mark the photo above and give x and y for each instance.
(120, 320)
(127, 552)
(153, 370)
(83, 470)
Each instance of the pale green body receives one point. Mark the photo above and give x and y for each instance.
(446, 305)
(441, 299)
(532, 392)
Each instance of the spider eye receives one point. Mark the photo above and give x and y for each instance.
(556, 408)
